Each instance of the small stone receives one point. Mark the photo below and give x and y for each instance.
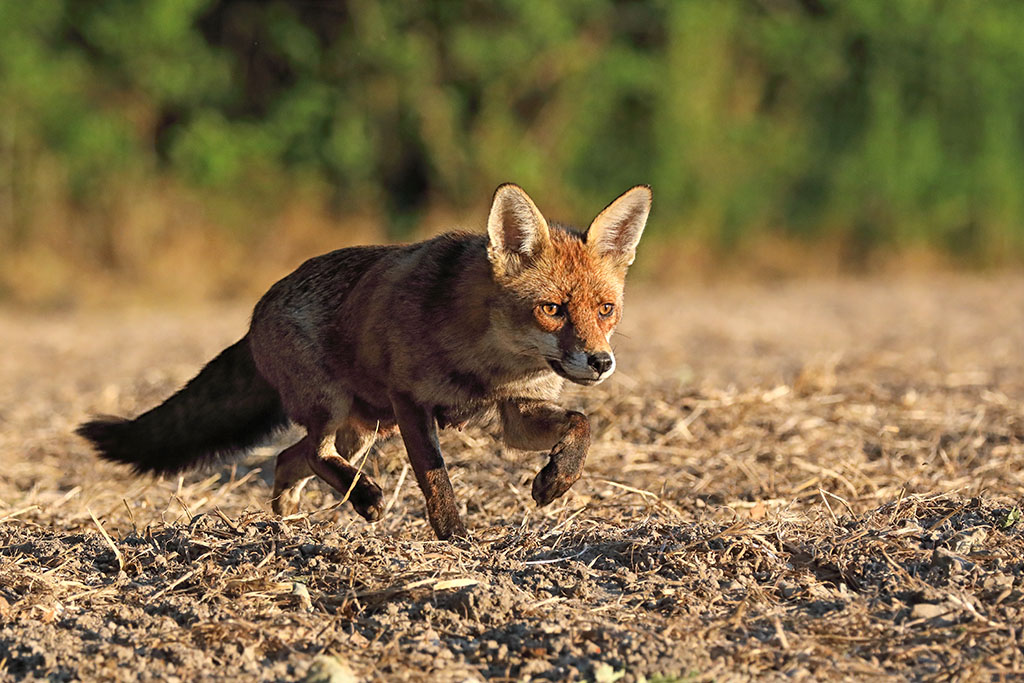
(327, 669)
(301, 594)
(927, 610)
(967, 541)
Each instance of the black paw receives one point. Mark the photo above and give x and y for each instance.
(552, 482)
(368, 500)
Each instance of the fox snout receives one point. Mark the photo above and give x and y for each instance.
(587, 368)
(602, 362)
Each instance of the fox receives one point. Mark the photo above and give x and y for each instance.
(366, 341)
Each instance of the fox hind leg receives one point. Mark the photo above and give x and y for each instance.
(330, 460)
(325, 452)
(291, 474)
(287, 357)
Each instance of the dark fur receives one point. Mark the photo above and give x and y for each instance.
(223, 410)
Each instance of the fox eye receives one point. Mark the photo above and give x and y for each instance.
(551, 309)
(605, 310)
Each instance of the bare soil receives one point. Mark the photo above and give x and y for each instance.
(807, 480)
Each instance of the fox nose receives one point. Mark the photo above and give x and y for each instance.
(601, 362)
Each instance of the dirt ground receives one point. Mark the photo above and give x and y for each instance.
(805, 481)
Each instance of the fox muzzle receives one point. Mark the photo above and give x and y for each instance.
(585, 368)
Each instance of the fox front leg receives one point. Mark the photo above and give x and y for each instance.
(419, 432)
(537, 425)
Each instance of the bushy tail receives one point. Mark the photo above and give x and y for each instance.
(223, 410)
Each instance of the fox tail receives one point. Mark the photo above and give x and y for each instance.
(225, 409)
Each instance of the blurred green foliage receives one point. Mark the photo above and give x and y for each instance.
(870, 122)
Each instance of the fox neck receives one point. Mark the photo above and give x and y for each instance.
(476, 357)
(495, 350)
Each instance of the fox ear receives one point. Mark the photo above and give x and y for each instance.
(616, 231)
(515, 226)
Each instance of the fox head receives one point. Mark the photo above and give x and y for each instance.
(560, 290)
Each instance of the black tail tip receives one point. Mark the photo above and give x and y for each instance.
(100, 431)
(107, 436)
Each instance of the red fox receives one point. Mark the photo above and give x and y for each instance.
(362, 341)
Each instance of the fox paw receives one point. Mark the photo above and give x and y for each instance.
(462, 539)
(454, 532)
(445, 521)
(552, 482)
(284, 506)
(368, 500)
(286, 500)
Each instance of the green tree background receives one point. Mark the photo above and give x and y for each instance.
(875, 125)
